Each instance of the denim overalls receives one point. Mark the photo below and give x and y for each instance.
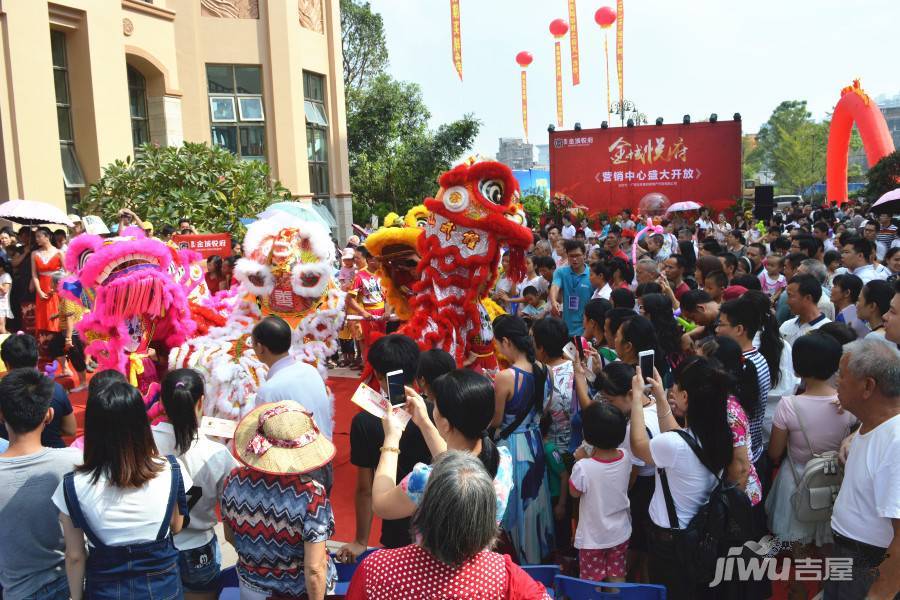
(144, 571)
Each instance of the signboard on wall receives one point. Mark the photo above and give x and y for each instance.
(607, 170)
(207, 244)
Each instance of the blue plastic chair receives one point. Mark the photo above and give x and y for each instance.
(573, 588)
(345, 572)
(543, 574)
(230, 589)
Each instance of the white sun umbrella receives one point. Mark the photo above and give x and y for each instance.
(684, 206)
(889, 202)
(301, 210)
(33, 212)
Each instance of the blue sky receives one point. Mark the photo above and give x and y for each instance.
(694, 56)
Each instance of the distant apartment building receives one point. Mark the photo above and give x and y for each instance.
(890, 108)
(543, 160)
(516, 153)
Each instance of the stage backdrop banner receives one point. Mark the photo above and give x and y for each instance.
(607, 170)
(207, 244)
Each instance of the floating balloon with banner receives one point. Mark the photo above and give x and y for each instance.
(524, 58)
(605, 18)
(559, 28)
(620, 46)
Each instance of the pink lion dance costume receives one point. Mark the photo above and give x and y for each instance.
(473, 215)
(136, 289)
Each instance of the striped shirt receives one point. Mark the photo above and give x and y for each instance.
(756, 419)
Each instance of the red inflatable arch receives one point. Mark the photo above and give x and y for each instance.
(854, 106)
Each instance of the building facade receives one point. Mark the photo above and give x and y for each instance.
(88, 81)
(516, 153)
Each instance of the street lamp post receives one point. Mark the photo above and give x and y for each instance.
(626, 108)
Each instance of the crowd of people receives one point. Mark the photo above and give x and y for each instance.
(732, 357)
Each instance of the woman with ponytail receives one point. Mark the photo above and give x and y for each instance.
(208, 463)
(519, 394)
(744, 393)
(699, 396)
(463, 409)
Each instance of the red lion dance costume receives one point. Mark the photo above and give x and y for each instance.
(473, 215)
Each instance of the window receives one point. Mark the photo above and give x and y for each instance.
(137, 100)
(316, 133)
(73, 178)
(236, 109)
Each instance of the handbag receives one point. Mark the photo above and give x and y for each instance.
(818, 486)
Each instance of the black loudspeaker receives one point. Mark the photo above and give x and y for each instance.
(763, 202)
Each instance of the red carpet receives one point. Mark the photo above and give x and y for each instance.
(344, 473)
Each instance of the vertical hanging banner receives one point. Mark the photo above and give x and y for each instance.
(456, 37)
(523, 59)
(559, 28)
(525, 103)
(620, 24)
(573, 43)
(605, 17)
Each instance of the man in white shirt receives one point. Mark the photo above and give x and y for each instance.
(568, 230)
(856, 255)
(290, 379)
(803, 294)
(866, 516)
(892, 318)
(589, 234)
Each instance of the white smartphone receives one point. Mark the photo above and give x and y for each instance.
(645, 360)
(396, 388)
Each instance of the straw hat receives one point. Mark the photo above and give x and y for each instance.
(281, 438)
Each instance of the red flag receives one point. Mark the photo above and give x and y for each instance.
(620, 21)
(573, 43)
(457, 38)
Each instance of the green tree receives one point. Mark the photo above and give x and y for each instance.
(884, 176)
(363, 44)
(534, 201)
(206, 184)
(395, 158)
(799, 157)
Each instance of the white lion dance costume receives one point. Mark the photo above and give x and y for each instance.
(287, 271)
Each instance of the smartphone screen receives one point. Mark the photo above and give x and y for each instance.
(579, 345)
(646, 362)
(396, 391)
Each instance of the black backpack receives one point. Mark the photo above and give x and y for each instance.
(724, 521)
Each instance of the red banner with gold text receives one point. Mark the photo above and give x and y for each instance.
(559, 86)
(525, 103)
(573, 43)
(456, 37)
(607, 170)
(620, 42)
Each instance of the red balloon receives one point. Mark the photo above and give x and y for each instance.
(524, 58)
(559, 27)
(605, 16)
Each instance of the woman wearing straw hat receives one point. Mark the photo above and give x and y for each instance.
(275, 515)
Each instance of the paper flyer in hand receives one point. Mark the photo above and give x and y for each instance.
(221, 428)
(375, 404)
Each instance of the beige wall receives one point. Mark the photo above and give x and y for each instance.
(169, 42)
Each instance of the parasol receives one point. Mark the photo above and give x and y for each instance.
(301, 210)
(684, 206)
(888, 203)
(33, 212)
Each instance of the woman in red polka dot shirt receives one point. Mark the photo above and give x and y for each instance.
(456, 526)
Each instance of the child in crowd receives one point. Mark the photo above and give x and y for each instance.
(5, 287)
(558, 482)
(772, 280)
(550, 337)
(534, 307)
(602, 474)
(715, 284)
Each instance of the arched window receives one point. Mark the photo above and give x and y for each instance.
(137, 99)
